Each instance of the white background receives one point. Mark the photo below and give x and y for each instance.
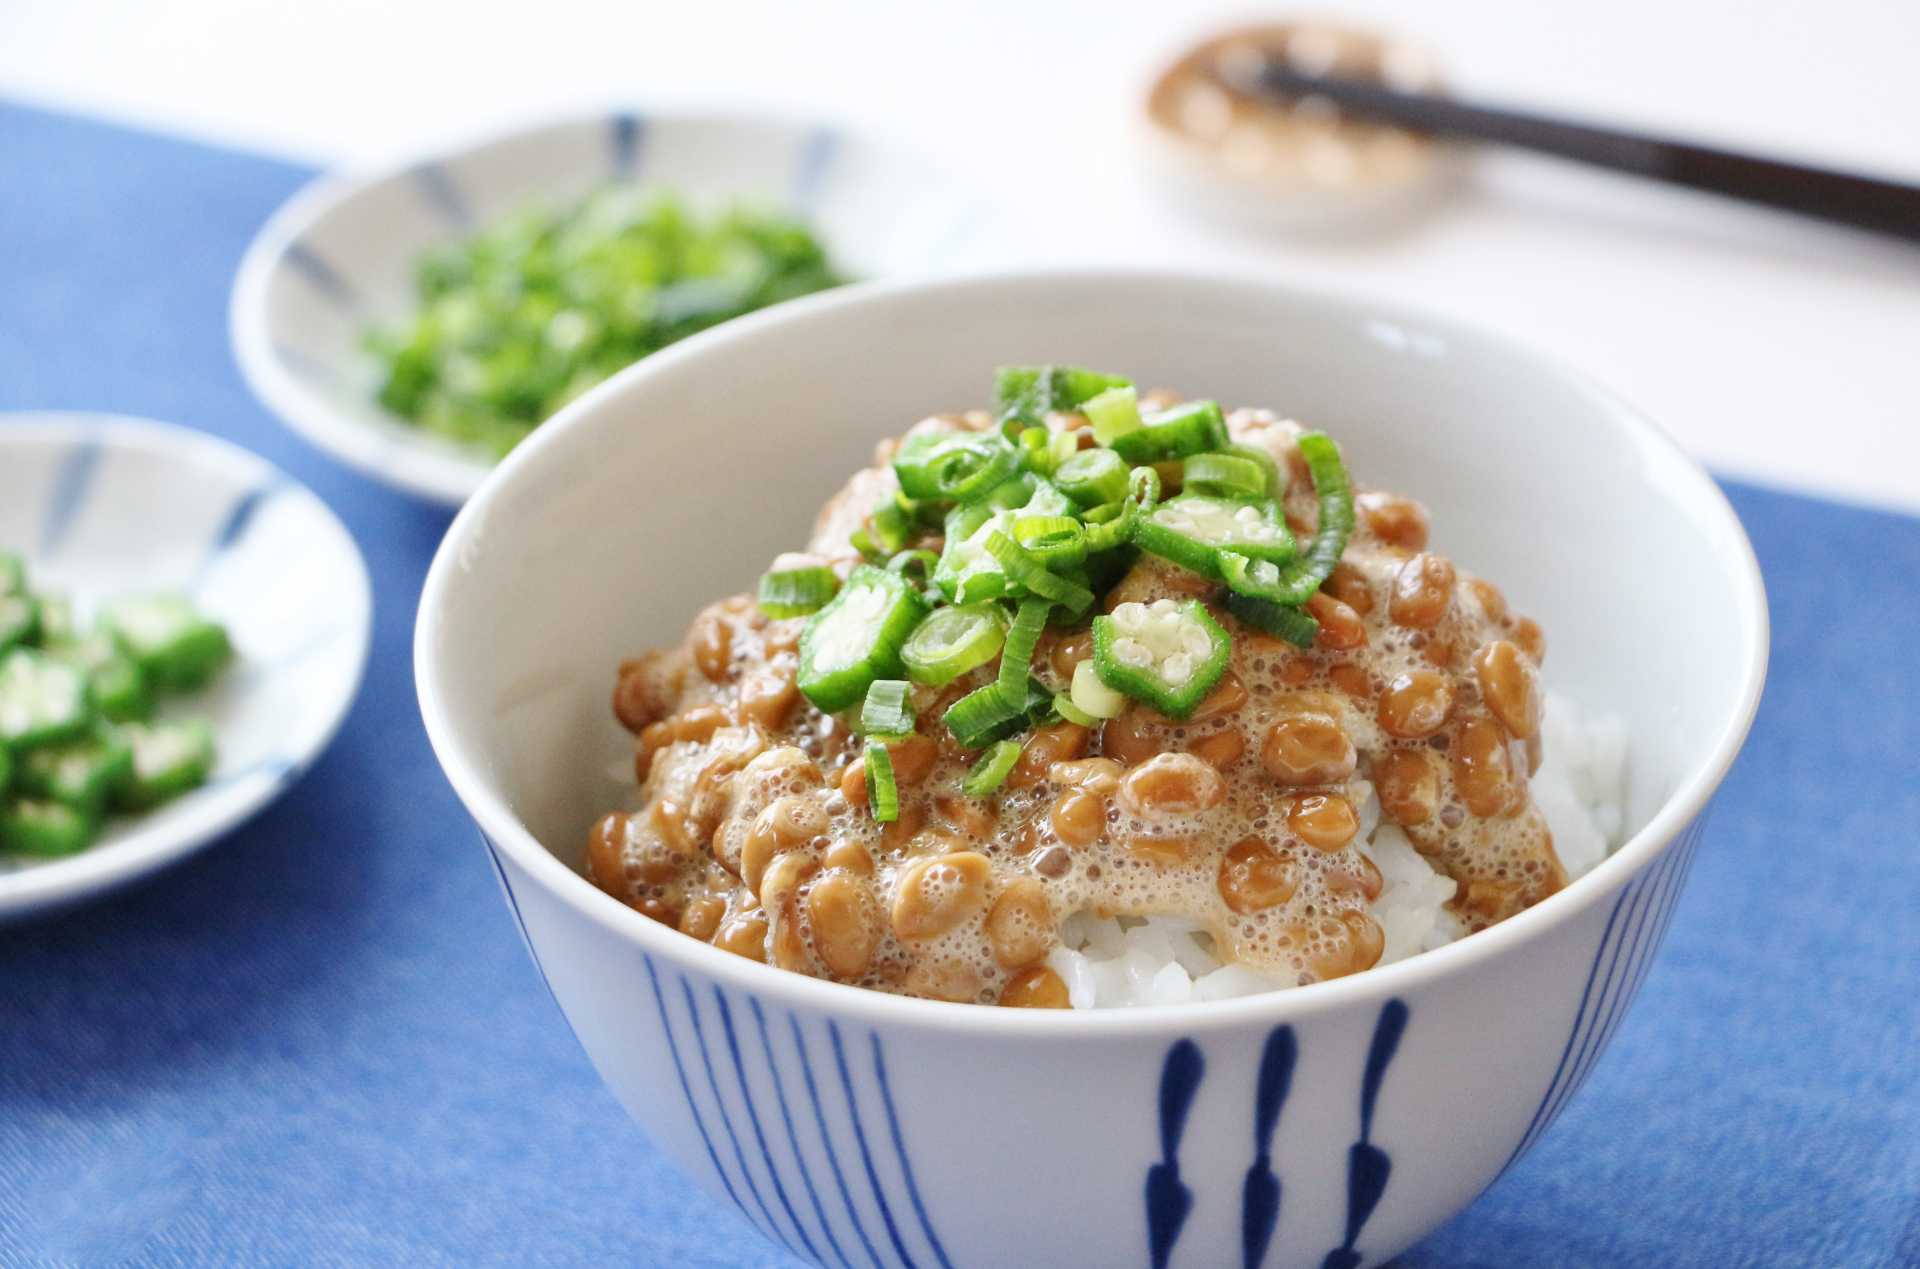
(1776, 349)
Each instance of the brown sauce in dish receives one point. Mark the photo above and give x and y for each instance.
(753, 832)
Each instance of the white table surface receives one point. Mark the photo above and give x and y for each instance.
(1777, 350)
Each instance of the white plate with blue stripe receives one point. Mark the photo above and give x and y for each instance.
(341, 255)
(101, 505)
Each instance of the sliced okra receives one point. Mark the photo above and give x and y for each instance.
(1166, 655)
(116, 687)
(41, 698)
(1195, 531)
(83, 773)
(32, 827)
(169, 758)
(168, 639)
(857, 638)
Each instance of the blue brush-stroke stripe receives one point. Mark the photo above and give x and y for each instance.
(626, 145)
(1617, 956)
(900, 1149)
(1642, 943)
(833, 1155)
(1386, 1042)
(810, 179)
(1369, 1168)
(1580, 1021)
(1600, 1016)
(1664, 889)
(753, 1119)
(866, 1154)
(240, 518)
(771, 1229)
(1621, 955)
(1261, 1194)
(443, 194)
(519, 922)
(72, 480)
(793, 1138)
(686, 1088)
(325, 279)
(1168, 1199)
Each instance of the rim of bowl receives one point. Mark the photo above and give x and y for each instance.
(427, 466)
(99, 869)
(497, 821)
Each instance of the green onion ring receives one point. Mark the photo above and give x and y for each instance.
(992, 770)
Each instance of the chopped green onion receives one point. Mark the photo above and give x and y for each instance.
(857, 638)
(862, 541)
(892, 524)
(1028, 573)
(1165, 654)
(1143, 486)
(1063, 705)
(1295, 625)
(1093, 477)
(1335, 492)
(1223, 476)
(1029, 393)
(1056, 541)
(19, 620)
(1194, 428)
(1114, 413)
(1109, 526)
(1016, 659)
(1258, 454)
(992, 770)
(985, 715)
(954, 466)
(883, 794)
(906, 561)
(1092, 697)
(888, 711)
(1042, 452)
(795, 592)
(1293, 584)
(953, 641)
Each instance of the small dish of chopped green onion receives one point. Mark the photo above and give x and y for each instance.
(417, 323)
(527, 313)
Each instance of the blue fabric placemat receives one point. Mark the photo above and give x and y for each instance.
(320, 1041)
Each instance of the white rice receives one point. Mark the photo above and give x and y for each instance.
(1166, 960)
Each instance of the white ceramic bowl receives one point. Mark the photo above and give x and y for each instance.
(340, 256)
(103, 506)
(857, 1127)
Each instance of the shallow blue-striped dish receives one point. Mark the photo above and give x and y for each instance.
(102, 505)
(341, 254)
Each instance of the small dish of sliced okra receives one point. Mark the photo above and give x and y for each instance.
(182, 628)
